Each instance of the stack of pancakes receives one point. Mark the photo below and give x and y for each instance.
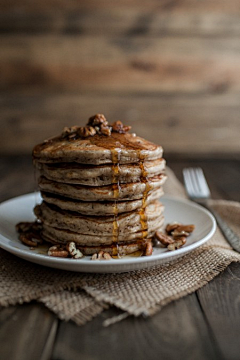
(100, 189)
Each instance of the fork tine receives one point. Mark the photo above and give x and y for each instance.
(196, 183)
(202, 182)
(188, 182)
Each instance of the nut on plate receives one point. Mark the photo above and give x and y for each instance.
(177, 244)
(101, 255)
(29, 239)
(73, 251)
(148, 249)
(163, 238)
(178, 228)
(57, 251)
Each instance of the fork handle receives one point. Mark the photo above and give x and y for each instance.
(229, 234)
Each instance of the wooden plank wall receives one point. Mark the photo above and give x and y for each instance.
(169, 68)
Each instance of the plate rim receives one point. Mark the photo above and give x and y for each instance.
(106, 265)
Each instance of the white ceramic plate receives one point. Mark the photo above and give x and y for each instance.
(184, 211)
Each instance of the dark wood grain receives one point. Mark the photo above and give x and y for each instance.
(178, 330)
(124, 17)
(181, 123)
(174, 63)
(73, 63)
(27, 332)
(220, 302)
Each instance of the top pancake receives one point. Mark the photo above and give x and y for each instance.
(98, 149)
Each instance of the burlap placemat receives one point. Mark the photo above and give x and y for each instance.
(80, 297)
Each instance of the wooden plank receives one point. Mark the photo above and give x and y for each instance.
(16, 170)
(221, 174)
(108, 63)
(125, 19)
(31, 329)
(165, 5)
(221, 306)
(179, 329)
(182, 124)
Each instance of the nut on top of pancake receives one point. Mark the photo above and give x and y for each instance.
(94, 144)
(97, 124)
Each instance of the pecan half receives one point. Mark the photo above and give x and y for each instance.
(176, 233)
(57, 251)
(118, 126)
(97, 119)
(163, 238)
(67, 131)
(29, 239)
(186, 228)
(175, 226)
(148, 249)
(101, 256)
(85, 131)
(177, 244)
(106, 256)
(171, 227)
(105, 130)
(24, 226)
(73, 251)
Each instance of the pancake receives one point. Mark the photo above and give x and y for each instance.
(129, 191)
(62, 236)
(100, 207)
(104, 225)
(114, 250)
(123, 148)
(100, 187)
(73, 173)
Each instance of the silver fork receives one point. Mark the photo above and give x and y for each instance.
(198, 191)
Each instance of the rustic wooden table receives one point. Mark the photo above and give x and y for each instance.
(204, 325)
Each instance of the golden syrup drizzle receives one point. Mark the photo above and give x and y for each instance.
(36, 188)
(142, 212)
(115, 173)
(116, 190)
